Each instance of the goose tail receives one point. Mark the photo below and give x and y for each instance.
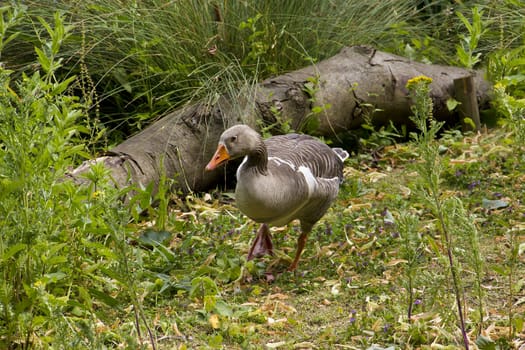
(341, 153)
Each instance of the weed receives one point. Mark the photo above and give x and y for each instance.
(311, 121)
(281, 125)
(430, 169)
(39, 133)
(411, 251)
(260, 42)
(466, 50)
(513, 111)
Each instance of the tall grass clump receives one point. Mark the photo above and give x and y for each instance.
(143, 59)
(149, 57)
(432, 35)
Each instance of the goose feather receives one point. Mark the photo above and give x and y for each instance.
(282, 178)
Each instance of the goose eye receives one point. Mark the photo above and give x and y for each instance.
(233, 138)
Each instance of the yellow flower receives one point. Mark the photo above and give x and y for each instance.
(499, 86)
(97, 194)
(419, 80)
(39, 284)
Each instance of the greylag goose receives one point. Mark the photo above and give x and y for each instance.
(282, 178)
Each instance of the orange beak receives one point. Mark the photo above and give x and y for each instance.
(221, 155)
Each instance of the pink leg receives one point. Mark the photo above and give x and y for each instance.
(262, 244)
(301, 241)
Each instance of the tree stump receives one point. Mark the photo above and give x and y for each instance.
(465, 94)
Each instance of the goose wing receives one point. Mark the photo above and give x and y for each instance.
(306, 151)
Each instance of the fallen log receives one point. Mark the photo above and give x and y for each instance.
(330, 98)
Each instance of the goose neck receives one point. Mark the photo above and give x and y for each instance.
(258, 159)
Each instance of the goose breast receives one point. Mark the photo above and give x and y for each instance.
(302, 179)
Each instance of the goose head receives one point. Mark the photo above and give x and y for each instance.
(237, 141)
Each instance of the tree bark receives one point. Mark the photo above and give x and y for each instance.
(468, 102)
(330, 98)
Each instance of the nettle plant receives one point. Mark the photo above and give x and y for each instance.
(54, 268)
(39, 134)
(64, 254)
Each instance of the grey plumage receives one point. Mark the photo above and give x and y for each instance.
(283, 178)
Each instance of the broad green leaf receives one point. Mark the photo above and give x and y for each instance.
(452, 104)
(86, 297)
(45, 25)
(53, 277)
(55, 248)
(209, 302)
(43, 60)
(500, 270)
(468, 121)
(485, 343)
(203, 286)
(59, 88)
(55, 260)
(100, 249)
(166, 253)
(153, 238)
(223, 309)
(13, 250)
(215, 341)
(105, 298)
